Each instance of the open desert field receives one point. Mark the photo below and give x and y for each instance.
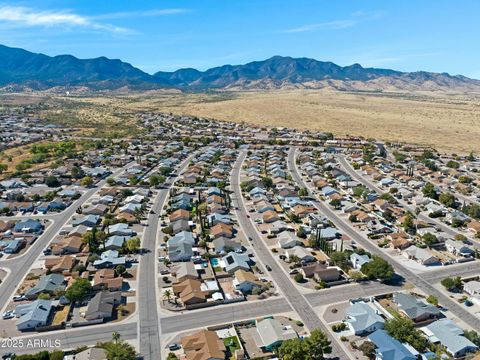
(449, 123)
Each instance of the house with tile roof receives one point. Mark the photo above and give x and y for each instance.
(203, 345)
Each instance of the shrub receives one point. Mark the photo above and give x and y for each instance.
(298, 278)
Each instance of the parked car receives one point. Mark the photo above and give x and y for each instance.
(174, 346)
(8, 315)
(18, 297)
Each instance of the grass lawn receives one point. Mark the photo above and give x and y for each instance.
(232, 344)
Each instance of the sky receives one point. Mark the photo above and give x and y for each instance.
(407, 35)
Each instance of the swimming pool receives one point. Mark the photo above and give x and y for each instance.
(214, 262)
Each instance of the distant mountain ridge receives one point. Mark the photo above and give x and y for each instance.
(21, 68)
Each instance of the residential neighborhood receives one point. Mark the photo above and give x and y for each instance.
(242, 242)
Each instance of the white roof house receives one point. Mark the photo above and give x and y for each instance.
(450, 335)
(362, 318)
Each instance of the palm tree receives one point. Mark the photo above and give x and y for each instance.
(167, 295)
(115, 337)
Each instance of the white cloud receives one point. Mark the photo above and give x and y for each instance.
(142, 13)
(356, 18)
(329, 25)
(23, 16)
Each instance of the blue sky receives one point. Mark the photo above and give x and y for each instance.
(408, 35)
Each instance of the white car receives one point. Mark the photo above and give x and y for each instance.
(8, 315)
(18, 297)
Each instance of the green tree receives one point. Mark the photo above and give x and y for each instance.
(167, 295)
(77, 172)
(303, 192)
(318, 345)
(172, 356)
(120, 270)
(341, 259)
(292, 349)
(111, 181)
(429, 191)
(368, 349)
(431, 299)
(118, 349)
(465, 179)
(453, 164)
(79, 290)
(358, 191)
(447, 199)
(86, 181)
(3, 168)
(378, 268)
(115, 337)
(52, 181)
(56, 355)
(388, 197)
(301, 233)
(336, 203)
(132, 245)
(403, 330)
(408, 223)
(267, 182)
(429, 239)
(298, 278)
(473, 336)
(312, 348)
(156, 180)
(452, 284)
(460, 237)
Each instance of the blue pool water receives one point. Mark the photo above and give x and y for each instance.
(214, 262)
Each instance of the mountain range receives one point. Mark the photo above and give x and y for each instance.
(21, 69)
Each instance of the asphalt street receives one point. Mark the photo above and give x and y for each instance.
(20, 265)
(150, 325)
(294, 297)
(350, 170)
(406, 273)
(71, 338)
(149, 331)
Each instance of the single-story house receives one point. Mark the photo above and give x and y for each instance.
(363, 318)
